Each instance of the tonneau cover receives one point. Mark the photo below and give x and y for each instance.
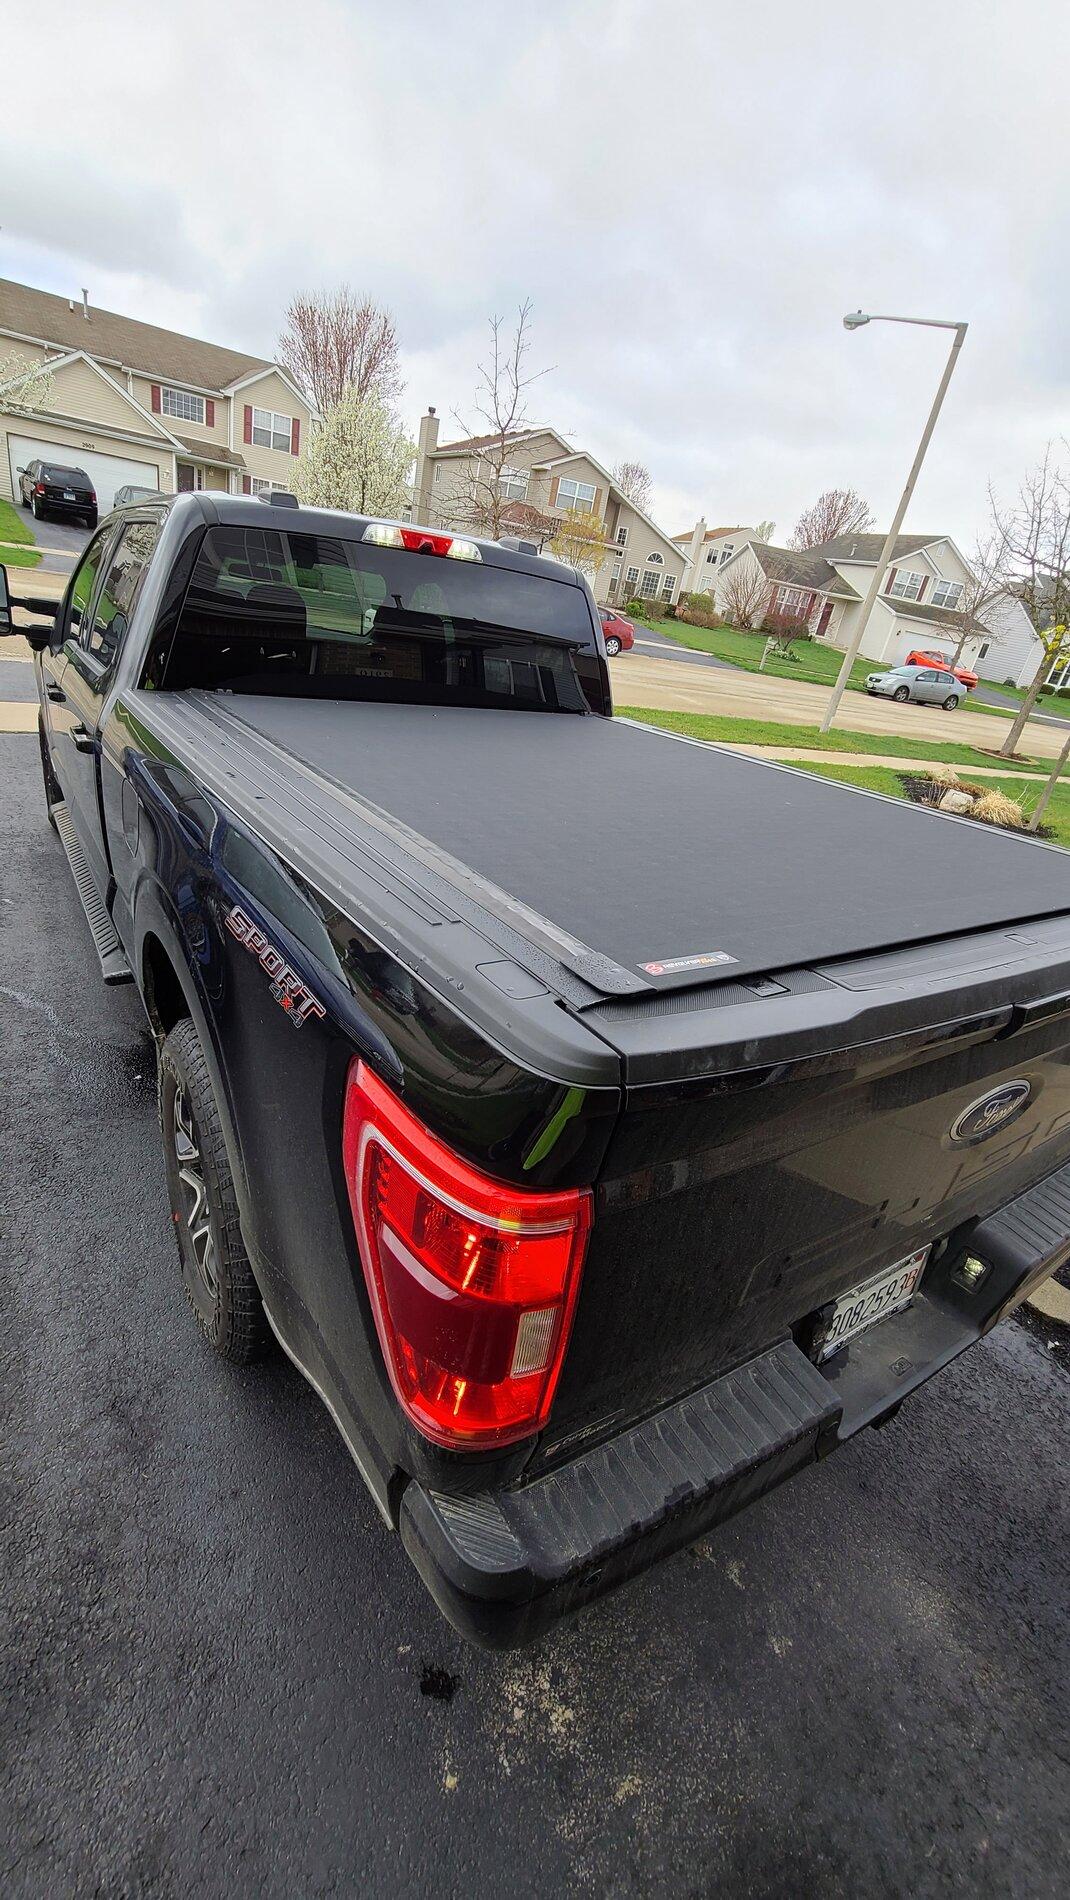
(658, 852)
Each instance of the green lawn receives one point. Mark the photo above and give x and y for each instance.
(1047, 702)
(13, 526)
(19, 557)
(768, 732)
(816, 663)
(879, 778)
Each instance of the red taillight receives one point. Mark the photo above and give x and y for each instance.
(93, 496)
(472, 1282)
(38, 488)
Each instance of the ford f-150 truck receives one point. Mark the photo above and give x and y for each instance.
(600, 1160)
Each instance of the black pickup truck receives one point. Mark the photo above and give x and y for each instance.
(606, 1124)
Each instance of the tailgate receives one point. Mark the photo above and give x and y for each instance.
(809, 1132)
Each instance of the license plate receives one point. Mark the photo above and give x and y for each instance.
(864, 1305)
(69, 495)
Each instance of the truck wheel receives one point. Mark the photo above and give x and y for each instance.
(53, 790)
(216, 1273)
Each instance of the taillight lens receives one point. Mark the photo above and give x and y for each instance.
(473, 1283)
(38, 488)
(389, 534)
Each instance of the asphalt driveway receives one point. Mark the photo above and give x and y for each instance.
(222, 1676)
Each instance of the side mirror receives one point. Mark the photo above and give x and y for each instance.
(20, 471)
(5, 603)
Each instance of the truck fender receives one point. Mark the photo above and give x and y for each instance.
(161, 944)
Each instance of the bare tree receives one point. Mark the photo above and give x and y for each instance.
(501, 406)
(984, 584)
(1033, 539)
(335, 340)
(765, 531)
(743, 593)
(635, 483)
(837, 511)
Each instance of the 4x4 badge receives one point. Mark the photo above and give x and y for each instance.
(289, 992)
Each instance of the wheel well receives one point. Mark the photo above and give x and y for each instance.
(164, 997)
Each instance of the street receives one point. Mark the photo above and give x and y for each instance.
(224, 1677)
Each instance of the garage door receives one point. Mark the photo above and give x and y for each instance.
(106, 472)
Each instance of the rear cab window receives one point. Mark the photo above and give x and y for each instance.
(282, 611)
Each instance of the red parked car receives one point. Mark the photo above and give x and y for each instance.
(964, 674)
(619, 633)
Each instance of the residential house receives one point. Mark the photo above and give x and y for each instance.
(920, 605)
(706, 550)
(544, 478)
(133, 403)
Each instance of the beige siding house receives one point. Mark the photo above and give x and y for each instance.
(132, 403)
(543, 479)
(921, 603)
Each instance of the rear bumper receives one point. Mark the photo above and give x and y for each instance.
(505, 1566)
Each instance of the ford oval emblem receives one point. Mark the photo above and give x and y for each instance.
(991, 1111)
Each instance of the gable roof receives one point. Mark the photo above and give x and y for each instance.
(795, 569)
(867, 547)
(935, 616)
(470, 442)
(144, 347)
(711, 534)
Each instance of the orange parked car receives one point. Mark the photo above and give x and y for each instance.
(964, 674)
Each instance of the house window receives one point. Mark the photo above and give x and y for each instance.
(633, 578)
(180, 403)
(622, 537)
(727, 553)
(946, 593)
(656, 560)
(572, 494)
(649, 588)
(711, 558)
(667, 586)
(615, 573)
(438, 471)
(905, 585)
(789, 600)
(513, 483)
(257, 485)
(271, 431)
(982, 651)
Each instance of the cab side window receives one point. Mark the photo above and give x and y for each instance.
(82, 591)
(120, 588)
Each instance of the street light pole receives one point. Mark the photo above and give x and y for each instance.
(854, 322)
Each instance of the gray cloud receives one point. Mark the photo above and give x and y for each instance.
(692, 196)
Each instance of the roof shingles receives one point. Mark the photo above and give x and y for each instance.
(144, 347)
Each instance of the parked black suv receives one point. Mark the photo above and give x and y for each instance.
(53, 488)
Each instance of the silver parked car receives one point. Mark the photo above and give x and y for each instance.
(931, 685)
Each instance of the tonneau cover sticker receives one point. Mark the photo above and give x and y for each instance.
(670, 965)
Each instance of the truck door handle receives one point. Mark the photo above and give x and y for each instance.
(55, 692)
(83, 740)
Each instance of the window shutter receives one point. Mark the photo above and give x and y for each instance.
(248, 436)
(155, 399)
(295, 436)
(209, 413)
(597, 502)
(924, 585)
(892, 572)
(246, 482)
(554, 485)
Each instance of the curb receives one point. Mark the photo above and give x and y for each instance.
(1052, 1300)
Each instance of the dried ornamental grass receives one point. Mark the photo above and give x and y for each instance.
(995, 808)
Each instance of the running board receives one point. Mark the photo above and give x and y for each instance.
(114, 967)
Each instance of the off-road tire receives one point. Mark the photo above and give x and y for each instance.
(232, 1319)
(53, 789)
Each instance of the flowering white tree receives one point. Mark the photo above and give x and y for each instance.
(359, 458)
(24, 386)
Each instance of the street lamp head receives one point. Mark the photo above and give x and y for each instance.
(854, 320)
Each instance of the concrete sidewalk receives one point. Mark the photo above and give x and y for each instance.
(659, 685)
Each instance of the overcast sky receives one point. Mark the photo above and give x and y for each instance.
(691, 195)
